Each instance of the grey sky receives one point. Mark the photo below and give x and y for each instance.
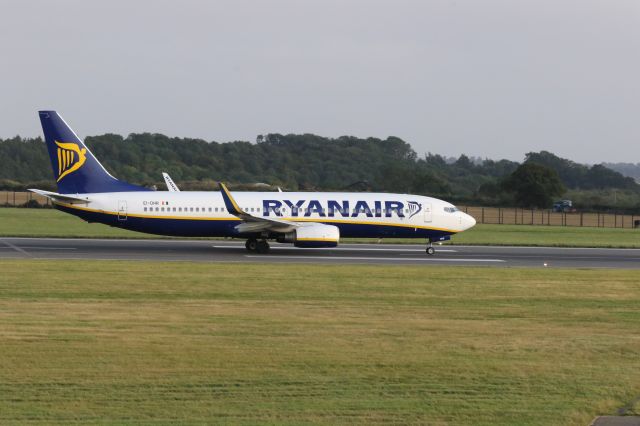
(487, 78)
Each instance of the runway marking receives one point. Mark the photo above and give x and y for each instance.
(546, 256)
(346, 249)
(43, 248)
(408, 259)
(550, 247)
(16, 248)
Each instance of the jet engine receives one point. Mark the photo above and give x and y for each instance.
(312, 235)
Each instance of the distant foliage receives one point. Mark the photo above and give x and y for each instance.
(534, 185)
(627, 169)
(24, 160)
(304, 162)
(579, 176)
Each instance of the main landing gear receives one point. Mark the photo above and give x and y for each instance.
(258, 246)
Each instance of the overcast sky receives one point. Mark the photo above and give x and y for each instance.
(486, 78)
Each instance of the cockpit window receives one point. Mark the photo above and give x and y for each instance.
(451, 209)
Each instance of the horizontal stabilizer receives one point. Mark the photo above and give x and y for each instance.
(65, 198)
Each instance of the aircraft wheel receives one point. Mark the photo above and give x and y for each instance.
(430, 251)
(251, 244)
(263, 247)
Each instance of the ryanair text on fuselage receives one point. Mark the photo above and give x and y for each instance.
(304, 208)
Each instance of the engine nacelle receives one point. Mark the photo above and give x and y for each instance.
(313, 235)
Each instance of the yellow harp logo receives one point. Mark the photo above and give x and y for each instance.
(70, 158)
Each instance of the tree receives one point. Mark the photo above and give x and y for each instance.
(534, 185)
(580, 176)
(572, 174)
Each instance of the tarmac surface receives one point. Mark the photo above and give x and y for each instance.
(384, 254)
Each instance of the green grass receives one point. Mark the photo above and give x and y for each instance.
(53, 223)
(142, 342)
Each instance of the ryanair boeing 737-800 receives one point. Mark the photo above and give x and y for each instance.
(305, 219)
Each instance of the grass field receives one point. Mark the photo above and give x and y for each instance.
(142, 342)
(52, 223)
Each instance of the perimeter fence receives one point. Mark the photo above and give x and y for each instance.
(485, 215)
(19, 198)
(517, 216)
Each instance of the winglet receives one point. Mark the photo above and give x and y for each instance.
(171, 186)
(229, 202)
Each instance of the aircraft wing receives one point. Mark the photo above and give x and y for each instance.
(251, 223)
(65, 198)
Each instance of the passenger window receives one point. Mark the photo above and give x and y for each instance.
(174, 209)
(145, 209)
(179, 209)
(209, 208)
(157, 209)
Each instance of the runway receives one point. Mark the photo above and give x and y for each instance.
(385, 254)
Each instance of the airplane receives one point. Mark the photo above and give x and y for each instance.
(305, 219)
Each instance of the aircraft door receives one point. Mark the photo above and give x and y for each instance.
(428, 215)
(122, 210)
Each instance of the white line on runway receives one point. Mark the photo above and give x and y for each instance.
(43, 248)
(548, 247)
(348, 249)
(16, 248)
(412, 259)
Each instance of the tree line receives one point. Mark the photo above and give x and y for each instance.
(311, 162)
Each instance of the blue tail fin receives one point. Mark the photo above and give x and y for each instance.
(75, 168)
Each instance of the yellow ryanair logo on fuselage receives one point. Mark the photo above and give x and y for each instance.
(70, 158)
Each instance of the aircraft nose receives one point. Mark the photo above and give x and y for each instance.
(468, 221)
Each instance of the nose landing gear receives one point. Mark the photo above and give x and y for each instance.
(430, 250)
(258, 246)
